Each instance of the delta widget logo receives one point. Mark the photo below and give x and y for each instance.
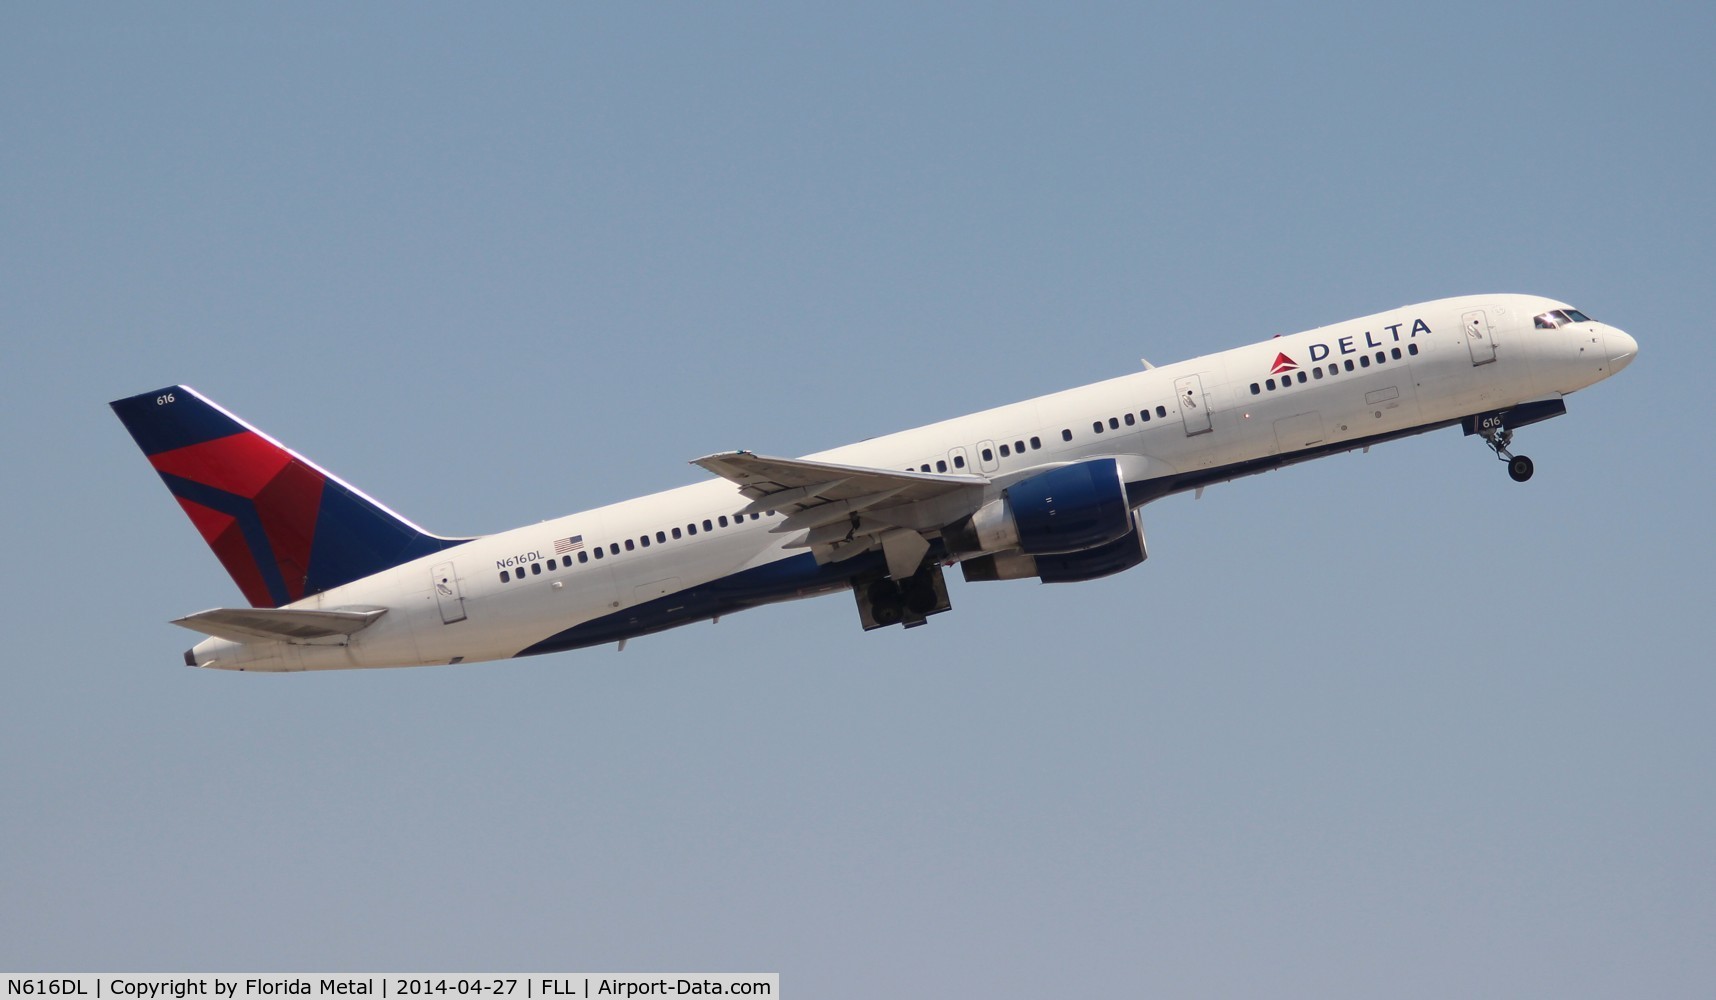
(1283, 363)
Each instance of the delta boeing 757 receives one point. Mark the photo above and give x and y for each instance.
(1049, 488)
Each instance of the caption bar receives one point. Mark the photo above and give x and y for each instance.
(393, 985)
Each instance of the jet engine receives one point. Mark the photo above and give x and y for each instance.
(1093, 563)
(1074, 508)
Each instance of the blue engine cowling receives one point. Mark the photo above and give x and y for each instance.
(1074, 508)
(1094, 563)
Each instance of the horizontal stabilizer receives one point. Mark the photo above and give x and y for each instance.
(252, 624)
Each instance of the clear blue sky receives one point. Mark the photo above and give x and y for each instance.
(1385, 724)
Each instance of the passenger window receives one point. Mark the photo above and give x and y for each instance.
(1270, 384)
(1036, 443)
(676, 533)
(707, 526)
(643, 540)
(598, 552)
(1066, 435)
(959, 461)
(1412, 349)
(1301, 378)
(583, 557)
(1130, 420)
(1364, 361)
(1396, 353)
(1004, 451)
(505, 576)
(1334, 369)
(1349, 364)
(1317, 372)
(629, 546)
(1144, 415)
(1113, 423)
(613, 548)
(1096, 425)
(535, 569)
(923, 468)
(941, 465)
(722, 520)
(661, 536)
(1381, 357)
(551, 564)
(1161, 411)
(1255, 388)
(988, 455)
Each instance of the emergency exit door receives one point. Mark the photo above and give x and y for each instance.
(447, 595)
(1480, 337)
(1194, 406)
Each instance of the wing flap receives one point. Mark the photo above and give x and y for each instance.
(278, 624)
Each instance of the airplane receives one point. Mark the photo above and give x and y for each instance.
(1050, 489)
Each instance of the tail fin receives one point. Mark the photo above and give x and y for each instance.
(283, 528)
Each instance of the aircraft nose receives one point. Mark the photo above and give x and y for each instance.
(1622, 348)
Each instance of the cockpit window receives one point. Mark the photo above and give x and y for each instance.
(1558, 318)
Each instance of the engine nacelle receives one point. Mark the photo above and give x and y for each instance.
(1074, 508)
(1095, 563)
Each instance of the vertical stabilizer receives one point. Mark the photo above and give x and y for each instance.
(283, 528)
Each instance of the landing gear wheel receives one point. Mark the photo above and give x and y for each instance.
(1520, 468)
(885, 604)
(918, 594)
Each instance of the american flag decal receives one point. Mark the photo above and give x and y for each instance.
(565, 545)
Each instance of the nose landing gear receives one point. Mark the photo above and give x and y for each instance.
(1498, 436)
(1496, 427)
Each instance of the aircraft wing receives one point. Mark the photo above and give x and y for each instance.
(845, 510)
(251, 624)
(796, 484)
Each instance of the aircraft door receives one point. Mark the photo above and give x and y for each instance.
(447, 593)
(1194, 405)
(1480, 337)
(986, 460)
(957, 462)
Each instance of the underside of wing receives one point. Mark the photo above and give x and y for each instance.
(840, 511)
(287, 625)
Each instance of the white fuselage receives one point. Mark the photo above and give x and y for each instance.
(1411, 369)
